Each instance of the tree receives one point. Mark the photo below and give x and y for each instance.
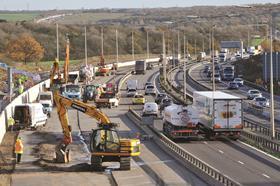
(25, 48)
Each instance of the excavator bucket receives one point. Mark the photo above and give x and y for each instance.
(62, 155)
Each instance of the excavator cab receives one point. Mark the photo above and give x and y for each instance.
(106, 146)
(104, 140)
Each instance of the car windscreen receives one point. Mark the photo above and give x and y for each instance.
(107, 95)
(138, 96)
(72, 89)
(260, 99)
(45, 97)
(150, 87)
(254, 92)
(166, 101)
(46, 105)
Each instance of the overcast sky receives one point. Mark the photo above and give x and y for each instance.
(93, 4)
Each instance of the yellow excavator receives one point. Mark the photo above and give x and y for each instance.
(105, 143)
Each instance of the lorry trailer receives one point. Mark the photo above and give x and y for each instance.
(219, 113)
(180, 122)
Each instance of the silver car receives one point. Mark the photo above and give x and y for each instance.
(251, 94)
(150, 90)
(261, 101)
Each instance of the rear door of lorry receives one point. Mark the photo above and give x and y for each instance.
(227, 114)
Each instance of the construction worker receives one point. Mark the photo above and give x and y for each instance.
(18, 149)
(20, 89)
(11, 122)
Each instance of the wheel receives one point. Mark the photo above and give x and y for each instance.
(45, 123)
(110, 105)
(96, 163)
(125, 163)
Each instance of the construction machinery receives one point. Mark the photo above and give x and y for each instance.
(105, 143)
(102, 69)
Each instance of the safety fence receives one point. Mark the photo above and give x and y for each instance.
(199, 167)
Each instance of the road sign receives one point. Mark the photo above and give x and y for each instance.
(266, 66)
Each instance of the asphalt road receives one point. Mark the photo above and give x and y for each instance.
(235, 159)
(152, 167)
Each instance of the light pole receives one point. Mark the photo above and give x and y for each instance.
(213, 59)
(132, 45)
(271, 88)
(164, 58)
(117, 47)
(102, 42)
(179, 50)
(148, 56)
(57, 43)
(86, 59)
(184, 70)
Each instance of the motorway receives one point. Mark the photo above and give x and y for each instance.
(152, 167)
(200, 77)
(233, 158)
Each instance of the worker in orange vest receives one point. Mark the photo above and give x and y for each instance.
(18, 149)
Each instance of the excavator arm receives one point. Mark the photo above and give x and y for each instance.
(62, 104)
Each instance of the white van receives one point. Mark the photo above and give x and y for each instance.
(30, 115)
(46, 99)
(150, 109)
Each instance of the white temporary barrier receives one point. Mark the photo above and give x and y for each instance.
(31, 95)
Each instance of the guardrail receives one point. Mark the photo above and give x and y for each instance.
(261, 141)
(204, 171)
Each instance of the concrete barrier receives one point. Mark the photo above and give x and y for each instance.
(31, 95)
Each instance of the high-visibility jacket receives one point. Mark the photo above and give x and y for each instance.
(18, 147)
(11, 121)
(20, 89)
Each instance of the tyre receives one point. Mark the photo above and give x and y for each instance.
(96, 163)
(125, 163)
(45, 123)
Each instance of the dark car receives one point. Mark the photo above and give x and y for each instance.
(209, 74)
(233, 86)
(89, 93)
(160, 97)
(206, 69)
(165, 102)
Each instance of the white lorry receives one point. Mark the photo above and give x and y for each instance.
(180, 121)
(219, 113)
(30, 115)
(46, 99)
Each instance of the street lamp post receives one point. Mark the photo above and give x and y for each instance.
(132, 45)
(271, 88)
(86, 59)
(184, 70)
(164, 58)
(213, 59)
(148, 56)
(57, 43)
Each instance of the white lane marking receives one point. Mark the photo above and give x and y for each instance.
(265, 175)
(241, 162)
(205, 142)
(130, 177)
(269, 155)
(154, 162)
(220, 151)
